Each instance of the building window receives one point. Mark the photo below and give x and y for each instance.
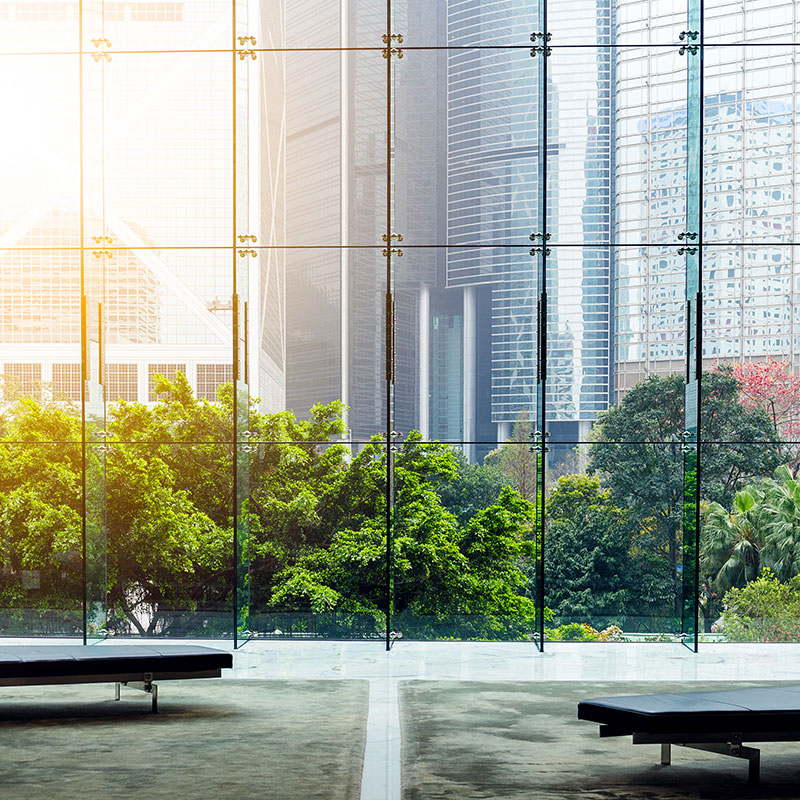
(22, 380)
(122, 383)
(66, 381)
(169, 371)
(210, 377)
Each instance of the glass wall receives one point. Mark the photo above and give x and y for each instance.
(381, 319)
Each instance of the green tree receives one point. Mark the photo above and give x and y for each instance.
(178, 452)
(731, 540)
(476, 486)
(761, 531)
(449, 579)
(636, 450)
(589, 569)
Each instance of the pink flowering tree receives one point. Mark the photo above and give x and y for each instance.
(771, 386)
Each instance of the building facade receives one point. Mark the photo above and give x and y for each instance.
(139, 179)
(494, 194)
(749, 186)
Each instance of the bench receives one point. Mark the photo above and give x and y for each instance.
(717, 722)
(135, 666)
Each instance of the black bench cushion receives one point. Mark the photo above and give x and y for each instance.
(40, 661)
(758, 709)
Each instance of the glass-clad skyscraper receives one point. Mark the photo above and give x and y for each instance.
(493, 192)
(749, 216)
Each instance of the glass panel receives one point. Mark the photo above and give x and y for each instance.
(748, 544)
(318, 538)
(614, 558)
(750, 113)
(39, 158)
(481, 154)
(580, 160)
(323, 342)
(579, 335)
(169, 313)
(749, 319)
(322, 168)
(168, 149)
(170, 540)
(40, 344)
(650, 329)
(41, 580)
(38, 26)
(650, 146)
(464, 543)
(420, 171)
(465, 346)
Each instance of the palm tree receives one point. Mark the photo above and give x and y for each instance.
(781, 543)
(731, 541)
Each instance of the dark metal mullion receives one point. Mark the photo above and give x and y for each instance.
(235, 342)
(84, 322)
(542, 334)
(389, 344)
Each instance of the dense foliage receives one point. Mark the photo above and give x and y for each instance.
(316, 517)
(637, 451)
(159, 521)
(590, 570)
(765, 610)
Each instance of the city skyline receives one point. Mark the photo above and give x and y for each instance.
(306, 172)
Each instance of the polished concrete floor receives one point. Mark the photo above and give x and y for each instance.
(480, 661)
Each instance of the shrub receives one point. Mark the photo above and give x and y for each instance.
(613, 633)
(765, 610)
(573, 632)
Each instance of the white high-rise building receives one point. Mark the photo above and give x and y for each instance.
(751, 273)
(129, 152)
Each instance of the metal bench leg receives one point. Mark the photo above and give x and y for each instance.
(666, 753)
(737, 750)
(117, 687)
(754, 769)
(147, 686)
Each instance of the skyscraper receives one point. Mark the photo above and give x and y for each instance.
(465, 173)
(749, 266)
(494, 186)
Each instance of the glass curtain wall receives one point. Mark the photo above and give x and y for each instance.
(381, 319)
